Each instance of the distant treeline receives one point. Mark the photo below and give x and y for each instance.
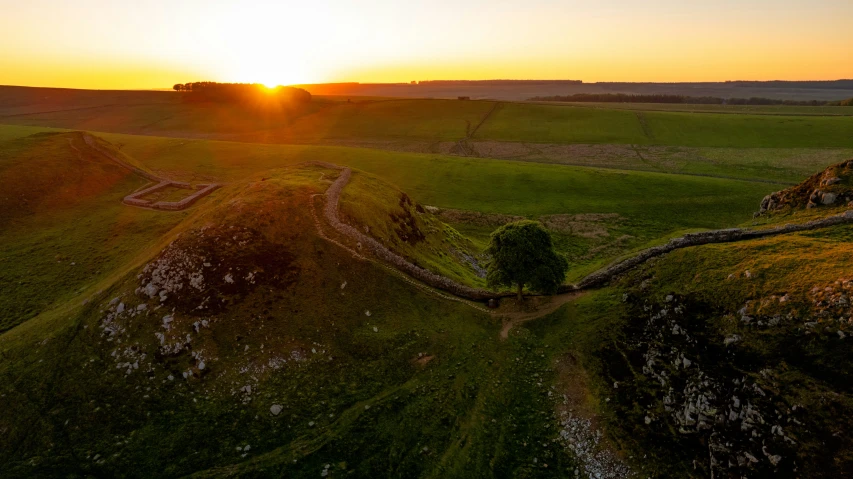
(691, 100)
(826, 85)
(243, 93)
(498, 82)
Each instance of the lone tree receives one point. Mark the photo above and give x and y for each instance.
(523, 254)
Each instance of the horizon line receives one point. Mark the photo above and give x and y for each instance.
(418, 82)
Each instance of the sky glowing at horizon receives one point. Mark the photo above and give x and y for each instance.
(113, 44)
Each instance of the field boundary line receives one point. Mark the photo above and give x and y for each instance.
(484, 119)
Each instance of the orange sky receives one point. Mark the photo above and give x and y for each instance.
(154, 43)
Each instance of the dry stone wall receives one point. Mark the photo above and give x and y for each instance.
(601, 277)
(594, 280)
(186, 202)
(330, 211)
(137, 199)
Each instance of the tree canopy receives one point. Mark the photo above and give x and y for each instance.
(682, 99)
(249, 94)
(523, 255)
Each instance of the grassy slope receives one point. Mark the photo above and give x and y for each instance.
(447, 120)
(651, 205)
(750, 131)
(414, 119)
(604, 333)
(771, 164)
(733, 109)
(347, 384)
(432, 120)
(408, 229)
(64, 227)
(564, 124)
(559, 124)
(474, 184)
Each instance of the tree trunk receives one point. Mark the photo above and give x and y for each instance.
(520, 286)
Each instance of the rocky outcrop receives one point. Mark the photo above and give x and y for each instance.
(833, 186)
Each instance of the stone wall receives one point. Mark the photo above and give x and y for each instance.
(136, 199)
(186, 202)
(601, 277)
(330, 211)
(594, 280)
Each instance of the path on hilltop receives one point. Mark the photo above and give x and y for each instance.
(448, 289)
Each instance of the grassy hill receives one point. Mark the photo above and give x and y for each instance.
(62, 225)
(242, 327)
(536, 123)
(244, 317)
(233, 339)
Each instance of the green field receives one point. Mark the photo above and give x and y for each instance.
(432, 121)
(246, 337)
(558, 124)
(473, 183)
(733, 109)
(568, 124)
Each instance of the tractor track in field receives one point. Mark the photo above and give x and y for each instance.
(446, 288)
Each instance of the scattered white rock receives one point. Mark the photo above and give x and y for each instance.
(275, 409)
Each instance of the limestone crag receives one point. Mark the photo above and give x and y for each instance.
(833, 186)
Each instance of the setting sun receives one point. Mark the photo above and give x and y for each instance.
(378, 41)
(556, 239)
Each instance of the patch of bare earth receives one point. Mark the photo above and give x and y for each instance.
(423, 359)
(583, 225)
(514, 313)
(475, 217)
(580, 429)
